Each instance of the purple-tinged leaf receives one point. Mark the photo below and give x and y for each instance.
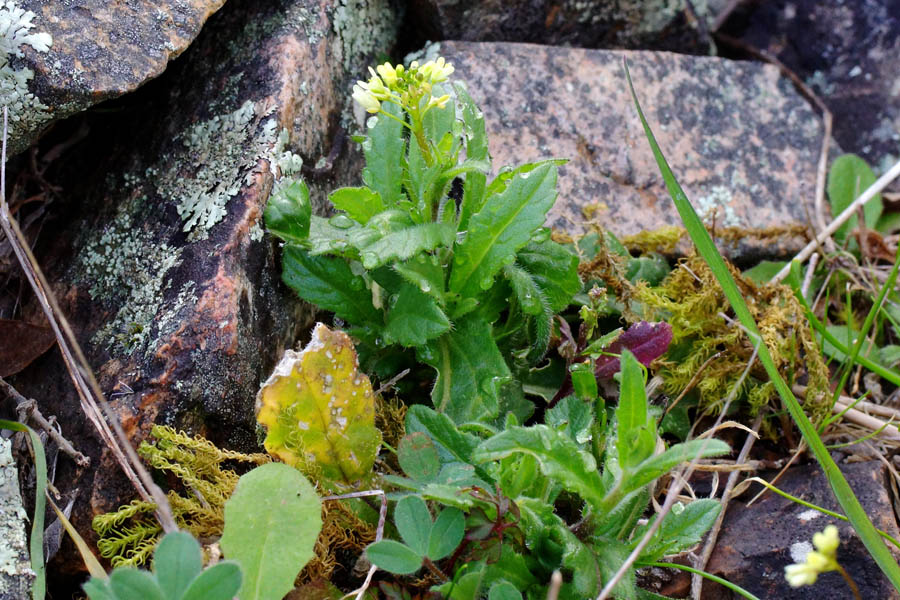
(647, 341)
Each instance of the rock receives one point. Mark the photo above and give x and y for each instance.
(657, 24)
(161, 263)
(743, 144)
(783, 531)
(847, 53)
(62, 57)
(16, 575)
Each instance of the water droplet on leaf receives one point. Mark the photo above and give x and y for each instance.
(341, 221)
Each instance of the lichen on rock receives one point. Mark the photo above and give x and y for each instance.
(26, 111)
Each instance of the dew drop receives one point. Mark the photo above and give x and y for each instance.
(370, 260)
(541, 235)
(341, 221)
(486, 283)
(425, 287)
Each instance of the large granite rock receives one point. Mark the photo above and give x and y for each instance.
(160, 259)
(741, 141)
(847, 52)
(782, 531)
(58, 58)
(645, 24)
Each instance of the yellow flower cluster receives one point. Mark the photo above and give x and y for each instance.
(820, 560)
(387, 79)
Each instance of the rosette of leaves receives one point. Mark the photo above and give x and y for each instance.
(431, 257)
(567, 495)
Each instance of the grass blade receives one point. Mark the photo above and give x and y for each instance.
(707, 249)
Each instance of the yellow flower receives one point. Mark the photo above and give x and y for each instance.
(388, 73)
(376, 87)
(820, 560)
(439, 102)
(365, 98)
(437, 71)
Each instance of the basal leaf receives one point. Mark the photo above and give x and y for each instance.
(319, 411)
(635, 435)
(360, 203)
(502, 226)
(470, 370)
(681, 529)
(413, 522)
(849, 177)
(573, 417)
(384, 148)
(406, 243)
(425, 272)
(177, 560)
(559, 457)
(272, 521)
(330, 284)
(414, 318)
(127, 583)
(646, 341)
(507, 173)
(452, 444)
(446, 534)
(418, 456)
(651, 268)
(219, 582)
(333, 236)
(610, 558)
(476, 148)
(504, 590)
(657, 466)
(288, 212)
(526, 291)
(393, 557)
(554, 269)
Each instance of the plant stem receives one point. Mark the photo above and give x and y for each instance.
(850, 582)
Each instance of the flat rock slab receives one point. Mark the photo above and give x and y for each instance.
(782, 533)
(743, 144)
(59, 58)
(645, 24)
(847, 53)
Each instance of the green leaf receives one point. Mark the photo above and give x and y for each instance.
(651, 268)
(406, 243)
(558, 455)
(573, 416)
(476, 148)
(636, 434)
(333, 236)
(384, 148)
(393, 557)
(360, 203)
(610, 559)
(681, 529)
(848, 178)
(526, 291)
(414, 319)
(554, 269)
(177, 560)
(507, 173)
(413, 521)
(418, 457)
(330, 284)
(584, 382)
(98, 589)
(504, 590)
(470, 370)
(452, 444)
(288, 212)
(848, 337)
(657, 466)
(272, 521)
(424, 272)
(764, 271)
(502, 226)
(128, 583)
(219, 582)
(446, 534)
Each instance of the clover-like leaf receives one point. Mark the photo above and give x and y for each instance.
(319, 411)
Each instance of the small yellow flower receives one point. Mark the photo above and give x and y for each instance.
(388, 73)
(437, 71)
(439, 102)
(377, 88)
(820, 560)
(365, 98)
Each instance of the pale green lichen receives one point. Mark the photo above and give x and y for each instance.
(221, 154)
(125, 266)
(362, 28)
(27, 114)
(716, 205)
(14, 563)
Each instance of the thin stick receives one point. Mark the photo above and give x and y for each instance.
(555, 585)
(379, 532)
(810, 271)
(85, 384)
(710, 544)
(847, 213)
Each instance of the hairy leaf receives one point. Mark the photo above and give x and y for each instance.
(529, 296)
(288, 212)
(319, 411)
(502, 226)
(330, 284)
(554, 269)
(272, 521)
(657, 466)
(476, 148)
(681, 529)
(470, 370)
(384, 148)
(507, 173)
(573, 417)
(452, 444)
(360, 203)
(558, 455)
(425, 272)
(334, 235)
(414, 319)
(406, 243)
